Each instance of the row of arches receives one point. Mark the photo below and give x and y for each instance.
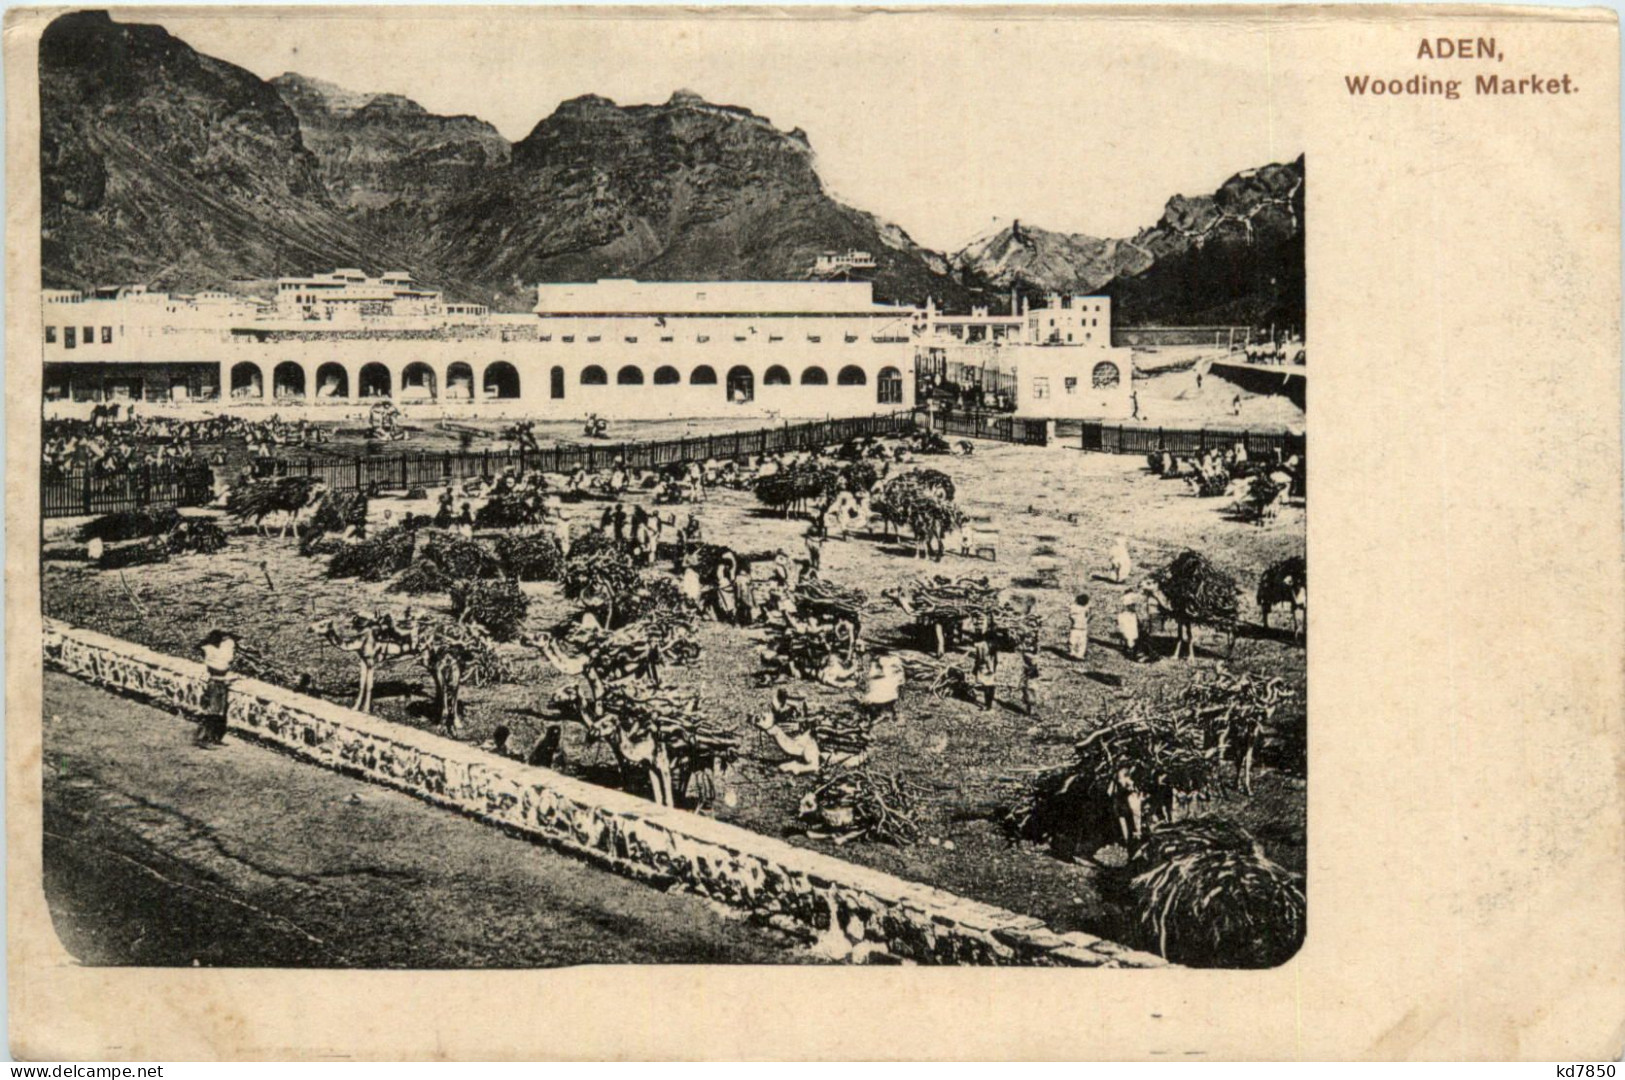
(374, 380)
(500, 380)
(706, 375)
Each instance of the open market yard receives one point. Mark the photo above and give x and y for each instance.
(1056, 513)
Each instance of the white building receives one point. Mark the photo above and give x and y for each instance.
(618, 348)
(1054, 361)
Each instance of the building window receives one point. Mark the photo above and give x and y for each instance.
(50, 335)
(68, 340)
(851, 339)
(1040, 388)
(667, 376)
(667, 338)
(891, 386)
(568, 339)
(814, 338)
(107, 335)
(594, 338)
(815, 376)
(544, 337)
(631, 340)
(703, 338)
(777, 375)
(630, 375)
(1071, 384)
(1105, 376)
(775, 337)
(851, 375)
(593, 375)
(90, 335)
(703, 375)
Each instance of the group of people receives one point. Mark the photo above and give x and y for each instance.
(1287, 350)
(107, 444)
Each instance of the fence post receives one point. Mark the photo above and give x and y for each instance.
(403, 472)
(86, 490)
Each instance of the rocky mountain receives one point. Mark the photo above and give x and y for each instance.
(384, 160)
(159, 164)
(1230, 257)
(679, 191)
(164, 166)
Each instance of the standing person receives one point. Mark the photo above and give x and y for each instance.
(1077, 638)
(1029, 673)
(885, 684)
(1134, 404)
(984, 670)
(618, 522)
(219, 653)
(1122, 565)
(1235, 405)
(815, 550)
(1128, 624)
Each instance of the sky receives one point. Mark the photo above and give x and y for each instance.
(945, 124)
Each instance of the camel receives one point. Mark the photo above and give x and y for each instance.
(375, 643)
(1285, 582)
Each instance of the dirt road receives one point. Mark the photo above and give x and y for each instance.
(157, 853)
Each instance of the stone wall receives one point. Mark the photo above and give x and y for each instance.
(851, 911)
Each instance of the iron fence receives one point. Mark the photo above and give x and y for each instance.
(83, 492)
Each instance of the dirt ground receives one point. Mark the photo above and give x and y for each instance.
(1057, 510)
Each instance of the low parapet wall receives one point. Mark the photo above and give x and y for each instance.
(855, 912)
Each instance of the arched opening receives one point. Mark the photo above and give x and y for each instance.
(777, 375)
(666, 375)
(288, 380)
(1105, 376)
(704, 375)
(593, 375)
(459, 382)
(814, 376)
(418, 382)
(741, 384)
(332, 381)
(630, 375)
(246, 381)
(852, 375)
(501, 380)
(890, 386)
(374, 380)
(555, 383)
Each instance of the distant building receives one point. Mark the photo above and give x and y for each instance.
(833, 263)
(349, 296)
(1052, 361)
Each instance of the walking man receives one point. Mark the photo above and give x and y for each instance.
(984, 671)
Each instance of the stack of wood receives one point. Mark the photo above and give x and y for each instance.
(859, 804)
(816, 596)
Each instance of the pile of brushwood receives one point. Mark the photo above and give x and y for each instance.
(130, 525)
(819, 597)
(951, 611)
(800, 650)
(520, 508)
(376, 558)
(338, 511)
(599, 574)
(899, 500)
(1198, 591)
(500, 606)
(256, 500)
(1240, 713)
(1259, 502)
(1159, 752)
(162, 532)
(1204, 895)
(460, 556)
(689, 749)
(798, 487)
(530, 558)
(859, 804)
(196, 536)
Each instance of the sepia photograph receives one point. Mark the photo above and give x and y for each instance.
(568, 531)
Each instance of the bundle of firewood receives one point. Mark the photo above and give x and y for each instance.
(860, 805)
(816, 596)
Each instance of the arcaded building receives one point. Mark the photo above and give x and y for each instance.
(333, 345)
(622, 349)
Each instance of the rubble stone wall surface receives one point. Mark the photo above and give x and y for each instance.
(851, 911)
